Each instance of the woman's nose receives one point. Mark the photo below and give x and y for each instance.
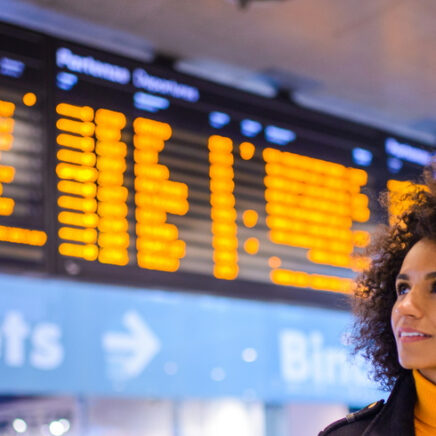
(411, 304)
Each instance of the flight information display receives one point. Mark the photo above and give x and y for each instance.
(160, 179)
(23, 147)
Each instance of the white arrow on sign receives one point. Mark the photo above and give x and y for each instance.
(131, 351)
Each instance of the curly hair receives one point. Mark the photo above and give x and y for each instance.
(375, 291)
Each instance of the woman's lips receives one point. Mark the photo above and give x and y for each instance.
(410, 335)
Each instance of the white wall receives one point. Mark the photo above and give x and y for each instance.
(128, 417)
(309, 419)
(223, 417)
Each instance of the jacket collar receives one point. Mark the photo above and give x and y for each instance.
(397, 415)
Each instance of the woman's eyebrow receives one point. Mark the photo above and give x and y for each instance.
(405, 276)
(431, 275)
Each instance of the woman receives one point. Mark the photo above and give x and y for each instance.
(395, 329)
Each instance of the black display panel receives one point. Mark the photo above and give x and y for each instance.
(159, 179)
(23, 147)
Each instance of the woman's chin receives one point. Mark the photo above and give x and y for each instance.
(409, 363)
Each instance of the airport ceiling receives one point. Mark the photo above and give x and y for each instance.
(373, 59)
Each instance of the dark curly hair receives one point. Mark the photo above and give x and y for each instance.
(375, 291)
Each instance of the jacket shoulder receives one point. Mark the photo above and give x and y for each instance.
(354, 423)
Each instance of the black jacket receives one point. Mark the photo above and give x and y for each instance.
(395, 418)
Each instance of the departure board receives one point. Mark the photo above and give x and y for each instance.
(23, 147)
(159, 179)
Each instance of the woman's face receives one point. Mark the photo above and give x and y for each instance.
(413, 317)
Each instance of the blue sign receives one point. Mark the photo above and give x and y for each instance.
(407, 152)
(149, 102)
(362, 156)
(11, 67)
(278, 135)
(158, 85)
(66, 81)
(219, 119)
(250, 128)
(89, 66)
(79, 338)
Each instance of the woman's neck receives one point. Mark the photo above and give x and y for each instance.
(429, 374)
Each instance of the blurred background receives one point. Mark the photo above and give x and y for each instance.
(187, 191)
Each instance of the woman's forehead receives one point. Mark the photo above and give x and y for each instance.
(421, 257)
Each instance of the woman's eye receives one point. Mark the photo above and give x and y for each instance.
(433, 288)
(402, 288)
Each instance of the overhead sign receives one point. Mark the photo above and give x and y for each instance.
(129, 353)
(75, 338)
